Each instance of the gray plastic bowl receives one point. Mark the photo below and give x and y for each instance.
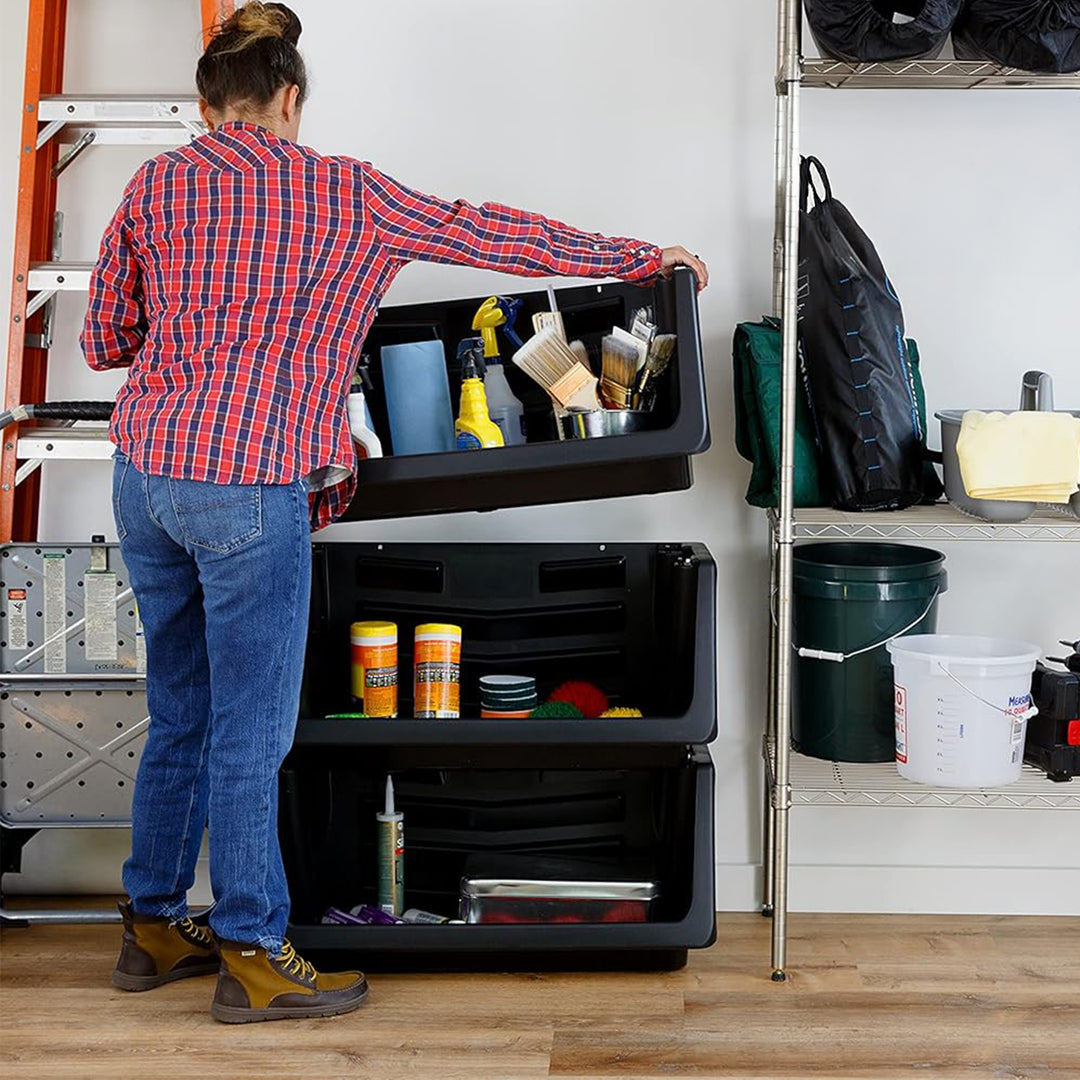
(987, 509)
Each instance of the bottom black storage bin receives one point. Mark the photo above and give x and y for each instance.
(631, 819)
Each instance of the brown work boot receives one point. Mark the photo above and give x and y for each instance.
(159, 950)
(253, 985)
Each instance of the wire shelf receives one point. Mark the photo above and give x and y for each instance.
(835, 783)
(940, 522)
(929, 75)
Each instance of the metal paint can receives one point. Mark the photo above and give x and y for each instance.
(437, 671)
(375, 668)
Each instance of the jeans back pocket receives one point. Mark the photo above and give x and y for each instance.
(217, 517)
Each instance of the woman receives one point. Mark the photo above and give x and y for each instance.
(237, 280)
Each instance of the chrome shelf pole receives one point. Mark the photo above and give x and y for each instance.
(788, 87)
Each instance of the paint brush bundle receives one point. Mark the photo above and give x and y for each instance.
(620, 360)
(549, 361)
(661, 351)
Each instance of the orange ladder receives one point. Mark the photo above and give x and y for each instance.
(49, 117)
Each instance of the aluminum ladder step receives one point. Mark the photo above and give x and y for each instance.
(60, 276)
(120, 108)
(65, 444)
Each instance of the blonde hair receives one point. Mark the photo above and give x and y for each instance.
(250, 23)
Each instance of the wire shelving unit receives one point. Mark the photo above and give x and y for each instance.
(790, 778)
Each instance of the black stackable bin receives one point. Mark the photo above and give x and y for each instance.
(636, 619)
(544, 470)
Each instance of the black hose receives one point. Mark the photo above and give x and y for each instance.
(74, 410)
(58, 410)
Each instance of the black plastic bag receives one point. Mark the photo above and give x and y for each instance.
(1033, 35)
(854, 361)
(865, 31)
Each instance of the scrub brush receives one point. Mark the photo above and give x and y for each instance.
(556, 710)
(550, 362)
(620, 372)
(589, 699)
(619, 712)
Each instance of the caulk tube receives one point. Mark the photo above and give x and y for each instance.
(391, 846)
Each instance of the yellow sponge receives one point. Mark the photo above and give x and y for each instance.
(621, 712)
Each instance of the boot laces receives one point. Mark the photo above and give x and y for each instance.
(200, 933)
(295, 964)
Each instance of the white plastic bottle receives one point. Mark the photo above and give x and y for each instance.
(503, 406)
(360, 425)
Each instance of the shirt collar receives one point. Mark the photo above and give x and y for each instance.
(234, 126)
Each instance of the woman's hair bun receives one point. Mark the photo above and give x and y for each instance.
(251, 56)
(292, 29)
(256, 20)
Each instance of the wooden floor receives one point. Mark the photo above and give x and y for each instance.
(868, 997)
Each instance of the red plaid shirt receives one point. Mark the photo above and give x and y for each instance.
(238, 279)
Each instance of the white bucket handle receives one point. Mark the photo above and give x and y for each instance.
(1031, 710)
(839, 657)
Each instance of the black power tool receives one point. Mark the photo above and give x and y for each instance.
(1053, 737)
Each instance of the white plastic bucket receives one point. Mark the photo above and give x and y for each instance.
(962, 705)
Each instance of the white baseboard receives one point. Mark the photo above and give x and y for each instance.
(937, 890)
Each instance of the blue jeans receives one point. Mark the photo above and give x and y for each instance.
(222, 576)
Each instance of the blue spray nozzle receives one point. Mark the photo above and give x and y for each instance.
(510, 306)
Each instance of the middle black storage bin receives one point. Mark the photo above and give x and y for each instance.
(550, 471)
(638, 620)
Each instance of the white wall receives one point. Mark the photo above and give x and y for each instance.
(656, 120)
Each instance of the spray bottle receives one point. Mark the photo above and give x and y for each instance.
(504, 408)
(368, 443)
(474, 427)
(391, 847)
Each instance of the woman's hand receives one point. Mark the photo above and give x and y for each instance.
(679, 256)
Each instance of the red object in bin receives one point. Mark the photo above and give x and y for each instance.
(508, 910)
(591, 700)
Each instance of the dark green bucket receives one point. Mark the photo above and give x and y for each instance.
(849, 596)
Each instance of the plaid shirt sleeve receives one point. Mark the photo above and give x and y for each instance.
(410, 225)
(116, 322)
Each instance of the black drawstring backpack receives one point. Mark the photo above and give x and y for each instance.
(1033, 35)
(866, 31)
(855, 363)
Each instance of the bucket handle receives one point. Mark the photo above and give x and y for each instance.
(1031, 710)
(839, 657)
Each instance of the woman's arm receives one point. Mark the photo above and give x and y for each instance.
(115, 323)
(412, 225)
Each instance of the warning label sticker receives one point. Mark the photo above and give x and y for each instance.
(16, 616)
(101, 616)
(900, 708)
(55, 613)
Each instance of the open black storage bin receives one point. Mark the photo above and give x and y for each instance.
(638, 620)
(543, 471)
(654, 816)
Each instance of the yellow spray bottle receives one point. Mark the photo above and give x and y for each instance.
(474, 428)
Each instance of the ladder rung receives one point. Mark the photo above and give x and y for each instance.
(66, 276)
(119, 108)
(65, 444)
(129, 135)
